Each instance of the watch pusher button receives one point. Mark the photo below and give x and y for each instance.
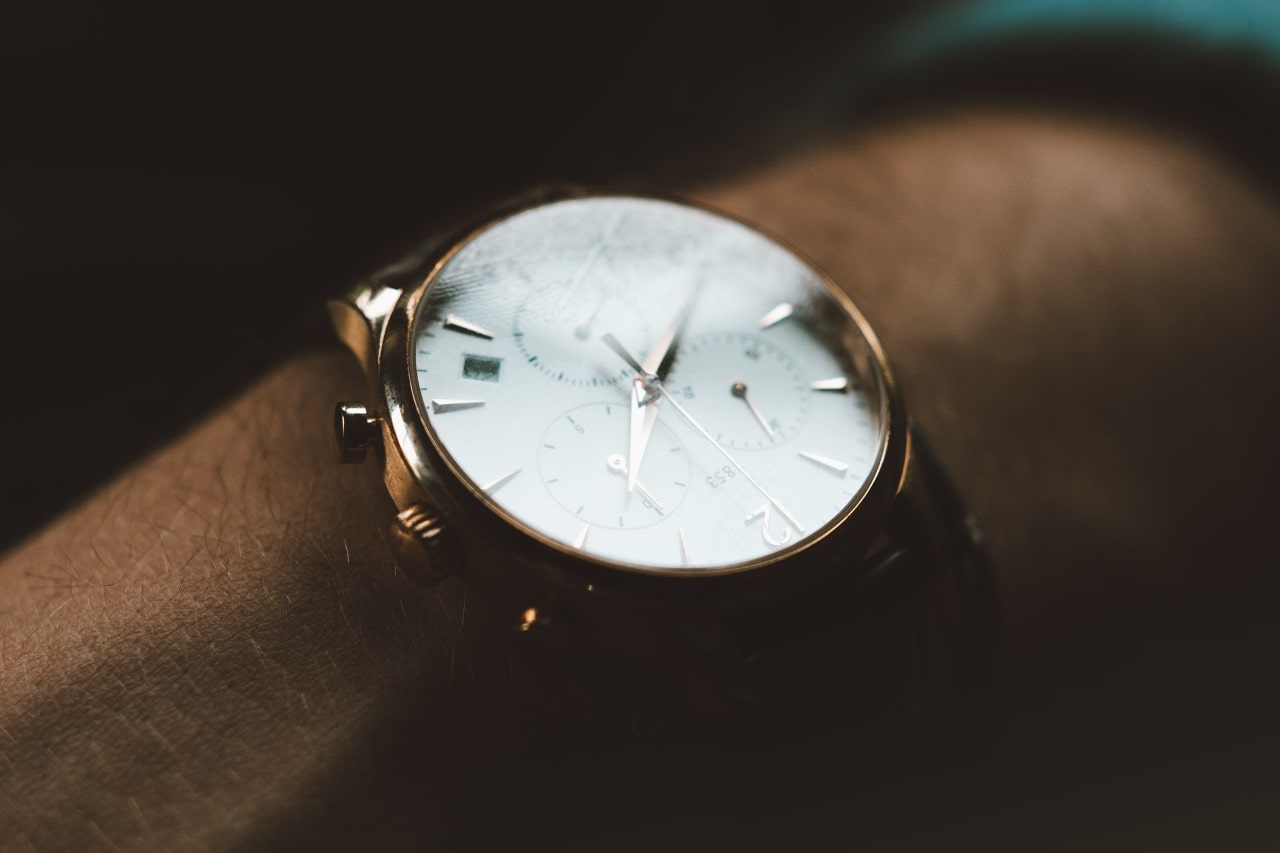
(355, 430)
(423, 544)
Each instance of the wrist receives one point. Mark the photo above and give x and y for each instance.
(223, 622)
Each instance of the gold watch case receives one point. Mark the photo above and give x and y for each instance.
(378, 320)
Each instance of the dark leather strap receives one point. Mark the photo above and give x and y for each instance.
(899, 647)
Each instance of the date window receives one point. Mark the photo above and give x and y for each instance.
(481, 367)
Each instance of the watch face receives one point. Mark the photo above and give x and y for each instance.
(648, 385)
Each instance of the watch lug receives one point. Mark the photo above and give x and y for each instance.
(360, 317)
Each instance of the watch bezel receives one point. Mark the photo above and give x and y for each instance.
(419, 463)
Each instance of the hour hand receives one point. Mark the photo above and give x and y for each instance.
(616, 345)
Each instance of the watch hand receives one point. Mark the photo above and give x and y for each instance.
(642, 420)
(617, 463)
(656, 383)
(640, 412)
(739, 390)
(616, 345)
(658, 356)
(644, 400)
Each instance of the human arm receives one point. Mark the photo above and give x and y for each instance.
(216, 650)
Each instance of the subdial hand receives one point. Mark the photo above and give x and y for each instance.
(618, 464)
(739, 390)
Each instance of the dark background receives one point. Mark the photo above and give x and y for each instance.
(181, 186)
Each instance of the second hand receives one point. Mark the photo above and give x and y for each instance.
(752, 480)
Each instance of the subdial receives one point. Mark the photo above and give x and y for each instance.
(747, 391)
(561, 337)
(583, 461)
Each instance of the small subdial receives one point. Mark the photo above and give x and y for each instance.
(747, 392)
(583, 461)
(561, 338)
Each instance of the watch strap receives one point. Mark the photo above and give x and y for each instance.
(902, 642)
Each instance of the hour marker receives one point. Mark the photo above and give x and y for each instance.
(457, 324)
(439, 407)
(685, 554)
(776, 315)
(582, 537)
(825, 461)
(839, 384)
(500, 482)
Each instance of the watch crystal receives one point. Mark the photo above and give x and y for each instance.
(648, 385)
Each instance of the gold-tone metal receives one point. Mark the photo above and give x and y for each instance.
(359, 318)
(419, 468)
(354, 430)
(423, 543)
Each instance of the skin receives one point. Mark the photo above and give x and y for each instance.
(218, 649)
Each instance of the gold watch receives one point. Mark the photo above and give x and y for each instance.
(597, 403)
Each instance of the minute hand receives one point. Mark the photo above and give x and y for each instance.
(654, 360)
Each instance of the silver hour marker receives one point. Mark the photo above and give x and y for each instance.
(685, 554)
(581, 540)
(439, 407)
(825, 461)
(838, 384)
(776, 315)
(500, 482)
(457, 324)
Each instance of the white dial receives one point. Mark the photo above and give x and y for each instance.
(582, 460)
(750, 392)
(565, 352)
(645, 383)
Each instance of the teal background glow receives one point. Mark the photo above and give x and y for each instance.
(1250, 25)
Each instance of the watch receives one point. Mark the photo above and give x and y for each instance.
(647, 426)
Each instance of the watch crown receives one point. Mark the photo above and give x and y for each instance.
(422, 542)
(355, 431)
